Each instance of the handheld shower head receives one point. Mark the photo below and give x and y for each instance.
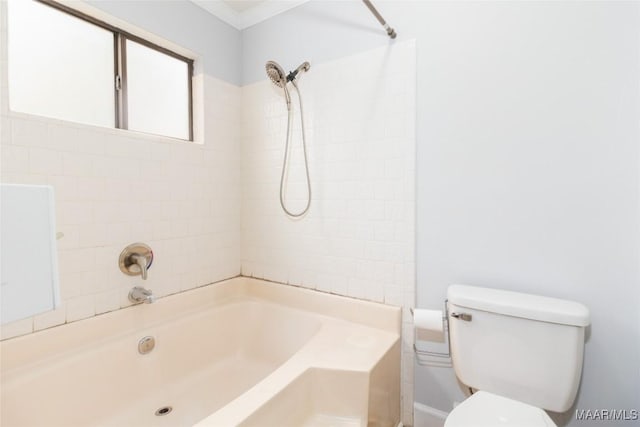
(303, 67)
(278, 77)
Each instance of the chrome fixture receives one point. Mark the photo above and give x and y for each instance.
(139, 294)
(146, 344)
(277, 75)
(305, 66)
(279, 78)
(462, 316)
(435, 358)
(390, 31)
(136, 259)
(163, 411)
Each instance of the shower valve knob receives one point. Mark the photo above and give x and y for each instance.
(136, 259)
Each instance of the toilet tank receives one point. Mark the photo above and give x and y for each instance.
(524, 347)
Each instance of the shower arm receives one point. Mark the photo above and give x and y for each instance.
(390, 31)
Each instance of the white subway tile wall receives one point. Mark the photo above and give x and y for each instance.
(210, 211)
(114, 187)
(358, 237)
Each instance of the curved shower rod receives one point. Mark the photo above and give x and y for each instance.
(390, 31)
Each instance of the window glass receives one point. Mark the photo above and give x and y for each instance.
(59, 66)
(157, 92)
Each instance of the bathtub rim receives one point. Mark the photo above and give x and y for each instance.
(72, 336)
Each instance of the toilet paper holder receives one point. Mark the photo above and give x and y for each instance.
(442, 358)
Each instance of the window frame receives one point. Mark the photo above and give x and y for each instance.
(120, 84)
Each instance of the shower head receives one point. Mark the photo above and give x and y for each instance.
(278, 77)
(303, 67)
(276, 73)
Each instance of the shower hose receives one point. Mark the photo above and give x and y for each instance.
(286, 158)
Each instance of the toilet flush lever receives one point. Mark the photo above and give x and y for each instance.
(462, 316)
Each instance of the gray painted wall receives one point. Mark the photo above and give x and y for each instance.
(316, 32)
(528, 156)
(187, 25)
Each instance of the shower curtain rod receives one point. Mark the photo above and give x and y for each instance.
(390, 31)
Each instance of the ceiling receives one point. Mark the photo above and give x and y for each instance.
(242, 5)
(245, 13)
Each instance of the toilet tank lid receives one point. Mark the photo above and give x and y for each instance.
(527, 306)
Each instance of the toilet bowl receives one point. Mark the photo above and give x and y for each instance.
(483, 409)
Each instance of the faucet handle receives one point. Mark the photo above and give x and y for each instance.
(136, 259)
(141, 261)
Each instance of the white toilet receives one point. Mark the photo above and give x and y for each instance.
(522, 353)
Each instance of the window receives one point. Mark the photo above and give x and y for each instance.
(67, 65)
(60, 66)
(154, 82)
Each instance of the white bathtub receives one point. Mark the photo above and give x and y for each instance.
(240, 352)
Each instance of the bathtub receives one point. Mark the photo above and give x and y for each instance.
(242, 352)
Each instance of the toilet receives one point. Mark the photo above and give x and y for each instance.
(521, 354)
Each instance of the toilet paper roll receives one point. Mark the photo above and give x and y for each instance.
(428, 325)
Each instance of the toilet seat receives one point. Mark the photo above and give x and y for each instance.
(484, 409)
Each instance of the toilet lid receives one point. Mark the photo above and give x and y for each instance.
(484, 409)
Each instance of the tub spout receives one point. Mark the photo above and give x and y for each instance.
(139, 294)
